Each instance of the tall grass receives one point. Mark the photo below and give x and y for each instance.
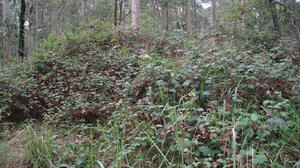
(39, 148)
(29, 147)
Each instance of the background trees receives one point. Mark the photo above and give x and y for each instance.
(34, 20)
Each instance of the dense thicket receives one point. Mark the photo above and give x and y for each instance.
(81, 74)
(183, 83)
(164, 94)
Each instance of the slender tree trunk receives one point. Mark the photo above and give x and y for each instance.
(60, 21)
(178, 14)
(213, 14)
(136, 13)
(43, 24)
(6, 12)
(167, 17)
(195, 14)
(274, 15)
(190, 24)
(116, 13)
(121, 12)
(157, 11)
(49, 25)
(82, 19)
(293, 19)
(32, 28)
(1, 35)
(242, 20)
(22, 29)
(74, 15)
(61, 26)
(154, 16)
(1, 27)
(186, 8)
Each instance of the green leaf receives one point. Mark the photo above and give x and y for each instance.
(249, 132)
(78, 161)
(189, 104)
(100, 164)
(186, 83)
(277, 165)
(207, 151)
(65, 166)
(260, 159)
(254, 117)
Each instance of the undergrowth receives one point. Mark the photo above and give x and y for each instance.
(105, 97)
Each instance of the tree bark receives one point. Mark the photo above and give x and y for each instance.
(121, 12)
(213, 14)
(43, 25)
(32, 29)
(116, 13)
(6, 13)
(22, 29)
(157, 11)
(242, 17)
(293, 19)
(136, 13)
(167, 17)
(1, 35)
(61, 19)
(190, 24)
(82, 19)
(274, 15)
(195, 15)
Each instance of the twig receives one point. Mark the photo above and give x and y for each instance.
(270, 114)
(234, 147)
(125, 16)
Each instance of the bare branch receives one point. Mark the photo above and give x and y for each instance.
(269, 113)
(125, 16)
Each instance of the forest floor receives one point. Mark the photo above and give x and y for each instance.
(103, 97)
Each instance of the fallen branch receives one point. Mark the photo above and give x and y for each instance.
(270, 114)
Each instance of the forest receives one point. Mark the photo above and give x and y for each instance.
(150, 84)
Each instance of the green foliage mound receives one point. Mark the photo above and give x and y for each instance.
(82, 74)
(158, 101)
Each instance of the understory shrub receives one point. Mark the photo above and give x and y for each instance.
(155, 103)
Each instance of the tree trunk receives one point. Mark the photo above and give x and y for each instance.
(22, 29)
(293, 19)
(82, 19)
(213, 14)
(136, 13)
(242, 18)
(195, 15)
(116, 13)
(1, 36)
(157, 11)
(43, 33)
(6, 12)
(121, 12)
(190, 24)
(60, 20)
(32, 29)
(167, 17)
(274, 15)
